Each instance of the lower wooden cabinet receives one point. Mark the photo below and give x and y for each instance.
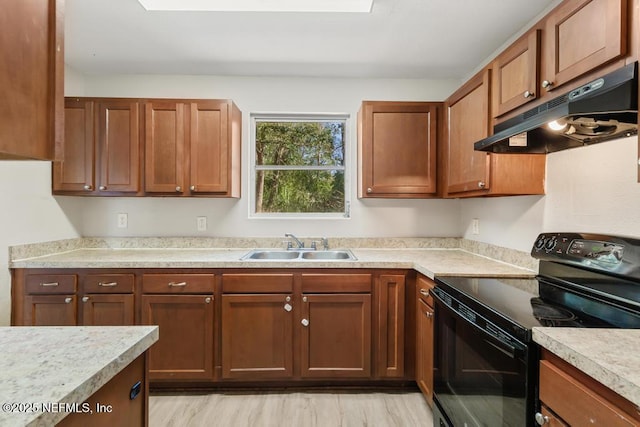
(121, 405)
(570, 397)
(424, 337)
(186, 322)
(50, 310)
(107, 309)
(257, 336)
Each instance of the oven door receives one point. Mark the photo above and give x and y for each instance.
(479, 379)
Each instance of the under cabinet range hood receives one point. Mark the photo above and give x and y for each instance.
(605, 108)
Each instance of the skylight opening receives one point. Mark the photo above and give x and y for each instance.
(335, 6)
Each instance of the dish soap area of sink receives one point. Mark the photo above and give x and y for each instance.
(300, 252)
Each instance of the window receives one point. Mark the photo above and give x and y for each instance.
(298, 165)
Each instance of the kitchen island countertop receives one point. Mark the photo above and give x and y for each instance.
(51, 365)
(610, 356)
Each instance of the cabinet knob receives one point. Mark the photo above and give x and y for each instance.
(288, 298)
(428, 314)
(207, 300)
(192, 188)
(424, 292)
(528, 94)
(547, 84)
(88, 187)
(102, 187)
(541, 419)
(67, 300)
(85, 299)
(178, 188)
(481, 184)
(369, 190)
(288, 307)
(305, 322)
(304, 299)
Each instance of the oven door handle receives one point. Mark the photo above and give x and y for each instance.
(510, 350)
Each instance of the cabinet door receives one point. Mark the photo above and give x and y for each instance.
(32, 79)
(424, 349)
(515, 74)
(257, 336)
(391, 291)
(118, 145)
(210, 147)
(397, 149)
(164, 147)
(50, 310)
(107, 310)
(336, 336)
(76, 170)
(468, 111)
(185, 348)
(580, 36)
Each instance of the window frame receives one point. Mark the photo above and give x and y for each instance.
(257, 117)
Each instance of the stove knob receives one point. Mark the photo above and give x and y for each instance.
(539, 243)
(551, 243)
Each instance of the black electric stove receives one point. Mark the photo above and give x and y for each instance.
(484, 351)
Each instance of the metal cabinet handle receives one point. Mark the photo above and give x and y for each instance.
(528, 94)
(88, 187)
(424, 292)
(177, 284)
(481, 184)
(85, 299)
(178, 188)
(192, 188)
(541, 419)
(108, 284)
(305, 322)
(67, 300)
(547, 84)
(102, 187)
(207, 300)
(288, 307)
(49, 284)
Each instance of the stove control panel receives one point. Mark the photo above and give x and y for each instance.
(603, 252)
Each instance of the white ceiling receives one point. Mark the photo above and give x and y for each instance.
(398, 39)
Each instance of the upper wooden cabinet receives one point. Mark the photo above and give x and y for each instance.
(102, 148)
(515, 74)
(581, 35)
(31, 79)
(192, 147)
(397, 149)
(477, 173)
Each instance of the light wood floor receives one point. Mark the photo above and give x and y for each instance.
(289, 409)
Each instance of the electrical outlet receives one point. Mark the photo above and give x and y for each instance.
(123, 220)
(475, 226)
(201, 222)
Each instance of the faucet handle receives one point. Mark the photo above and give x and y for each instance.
(314, 245)
(288, 243)
(325, 243)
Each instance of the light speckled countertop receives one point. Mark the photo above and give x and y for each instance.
(429, 262)
(62, 365)
(610, 356)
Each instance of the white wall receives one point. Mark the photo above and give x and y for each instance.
(176, 216)
(589, 189)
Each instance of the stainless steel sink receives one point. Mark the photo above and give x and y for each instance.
(328, 255)
(299, 255)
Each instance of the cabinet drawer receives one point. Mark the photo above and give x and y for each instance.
(576, 402)
(425, 285)
(178, 283)
(325, 283)
(51, 283)
(108, 284)
(257, 283)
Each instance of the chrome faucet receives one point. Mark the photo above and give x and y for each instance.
(298, 242)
